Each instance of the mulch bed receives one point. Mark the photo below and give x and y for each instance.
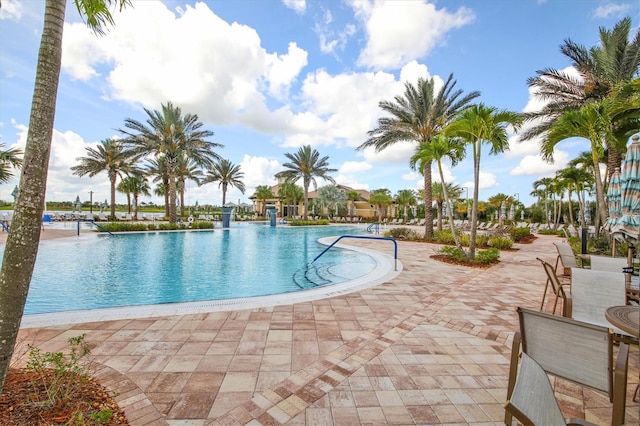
(22, 403)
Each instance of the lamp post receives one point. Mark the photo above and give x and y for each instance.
(91, 202)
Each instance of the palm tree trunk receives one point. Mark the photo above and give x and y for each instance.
(135, 206)
(165, 182)
(428, 200)
(113, 197)
(22, 243)
(172, 198)
(182, 199)
(602, 213)
(439, 219)
(570, 208)
(224, 194)
(306, 200)
(449, 211)
(474, 209)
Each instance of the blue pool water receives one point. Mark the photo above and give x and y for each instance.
(163, 267)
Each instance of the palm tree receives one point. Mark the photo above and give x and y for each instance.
(157, 167)
(291, 195)
(418, 116)
(437, 150)
(352, 196)
(22, 243)
(108, 156)
(170, 134)
(186, 170)
(135, 186)
(380, 198)
(9, 159)
(601, 68)
(480, 124)
(226, 173)
(406, 198)
(331, 198)
(306, 164)
(263, 193)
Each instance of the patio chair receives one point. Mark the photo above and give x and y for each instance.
(532, 401)
(592, 292)
(566, 257)
(556, 286)
(572, 350)
(608, 263)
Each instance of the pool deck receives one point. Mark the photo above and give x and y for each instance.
(430, 346)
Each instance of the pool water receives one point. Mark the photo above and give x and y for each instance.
(245, 260)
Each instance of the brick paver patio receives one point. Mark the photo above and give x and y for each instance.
(429, 347)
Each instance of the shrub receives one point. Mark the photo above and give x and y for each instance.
(403, 234)
(302, 222)
(203, 224)
(172, 226)
(444, 237)
(500, 242)
(456, 253)
(122, 227)
(487, 256)
(519, 233)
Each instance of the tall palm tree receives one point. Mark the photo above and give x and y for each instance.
(543, 187)
(170, 134)
(481, 124)
(306, 164)
(135, 186)
(615, 60)
(22, 243)
(417, 116)
(157, 167)
(437, 150)
(9, 159)
(406, 198)
(108, 156)
(225, 173)
(186, 169)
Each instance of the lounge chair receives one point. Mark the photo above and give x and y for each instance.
(572, 350)
(556, 286)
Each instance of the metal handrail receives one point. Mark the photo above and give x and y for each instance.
(365, 237)
(377, 226)
(99, 227)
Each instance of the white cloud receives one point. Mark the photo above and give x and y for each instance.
(412, 176)
(534, 165)
(351, 182)
(355, 167)
(298, 6)
(11, 9)
(330, 39)
(398, 32)
(399, 153)
(486, 180)
(611, 9)
(258, 171)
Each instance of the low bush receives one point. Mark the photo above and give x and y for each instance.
(519, 233)
(488, 256)
(203, 224)
(122, 227)
(403, 234)
(500, 242)
(458, 254)
(302, 222)
(444, 236)
(172, 226)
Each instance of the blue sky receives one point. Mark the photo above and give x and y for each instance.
(269, 76)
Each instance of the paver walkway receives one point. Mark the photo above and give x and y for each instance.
(429, 347)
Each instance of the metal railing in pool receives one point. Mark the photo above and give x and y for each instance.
(364, 237)
(374, 225)
(97, 225)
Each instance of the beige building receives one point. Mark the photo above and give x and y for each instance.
(359, 208)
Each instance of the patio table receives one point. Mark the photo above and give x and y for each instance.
(626, 317)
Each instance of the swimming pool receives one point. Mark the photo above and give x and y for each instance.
(246, 260)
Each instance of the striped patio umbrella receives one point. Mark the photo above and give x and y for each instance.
(614, 194)
(512, 211)
(627, 227)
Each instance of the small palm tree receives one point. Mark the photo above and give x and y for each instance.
(225, 173)
(157, 167)
(406, 198)
(9, 159)
(476, 125)
(331, 198)
(263, 193)
(306, 164)
(352, 196)
(186, 170)
(380, 198)
(109, 156)
(135, 185)
(291, 194)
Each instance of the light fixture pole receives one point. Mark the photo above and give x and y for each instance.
(91, 202)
